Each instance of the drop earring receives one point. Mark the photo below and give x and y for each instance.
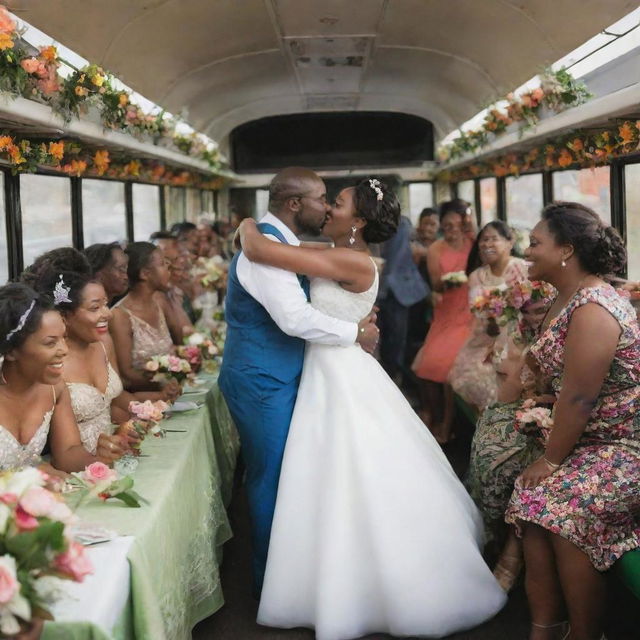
(352, 239)
(563, 264)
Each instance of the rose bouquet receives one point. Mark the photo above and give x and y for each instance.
(534, 420)
(35, 545)
(147, 416)
(211, 273)
(192, 354)
(454, 279)
(99, 481)
(166, 367)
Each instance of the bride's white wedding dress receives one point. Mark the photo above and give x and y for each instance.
(373, 531)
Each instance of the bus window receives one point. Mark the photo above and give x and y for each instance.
(176, 205)
(488, 200)
(46, 214)
(194, 204)
(146, 211)
(103, 212)
(524, 203)
(632, 202)
(207, 201)
(420, 196)
(4, 257)
(466, 191)
(262, 202)
(586, 186)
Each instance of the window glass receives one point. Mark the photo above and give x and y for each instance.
(262, 201)
(4, 256)
(146, 211)
(420, 196)
(176, 203)
(488, 200)
(586, 186)
(103, 211)
(207, 201)
(524, 203)
(46, 214)
(466, 192)
(632, 202)
(194, 206)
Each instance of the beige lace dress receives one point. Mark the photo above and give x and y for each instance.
(148, 341)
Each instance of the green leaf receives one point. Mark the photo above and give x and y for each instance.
(128, 499)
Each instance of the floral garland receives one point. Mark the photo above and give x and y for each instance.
(24, 155)
(558, 91)
(36, 77)
(584, 148)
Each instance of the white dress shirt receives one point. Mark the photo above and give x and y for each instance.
(280, 293)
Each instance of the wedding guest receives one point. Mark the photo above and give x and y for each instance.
(60, 258)
(451, 318)
(187, 235)
(109, 265)
(138, 326)
(182, 285)
(473, 376)
(578, 504)
(34, 401)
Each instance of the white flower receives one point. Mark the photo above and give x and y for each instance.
(22, 480)
(195, 339)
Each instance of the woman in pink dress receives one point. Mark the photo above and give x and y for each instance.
(451, 318)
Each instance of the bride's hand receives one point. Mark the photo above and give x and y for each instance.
(368, 333)
(246, 228)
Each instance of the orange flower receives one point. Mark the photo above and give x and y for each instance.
(132, 168)
(15, 155)
(56, 149)
(7, 23)
(538, 94)
(75, 168)
(5, 142)
(101, 161)
(158, 171)
(123, 99)
(81, 91)
(565, 158)
(50, 54)
(577, 145)
(626, 133)
(6, 41)
(30, 65)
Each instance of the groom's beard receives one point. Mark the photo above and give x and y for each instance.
(306, 228)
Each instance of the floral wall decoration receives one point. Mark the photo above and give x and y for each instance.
(558, 91)
(89, 93)
(578, 149)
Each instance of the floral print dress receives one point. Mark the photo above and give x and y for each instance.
(593, 499)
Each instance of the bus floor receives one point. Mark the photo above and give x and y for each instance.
(236, 619)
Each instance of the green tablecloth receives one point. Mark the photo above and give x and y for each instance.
(187, 479)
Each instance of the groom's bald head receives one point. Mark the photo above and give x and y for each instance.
(298, 197)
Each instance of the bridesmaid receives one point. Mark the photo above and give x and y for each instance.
(34, 401)
(578, 504)
(451, 318)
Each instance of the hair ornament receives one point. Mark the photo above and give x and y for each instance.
(22, 321)
(375, 185)
(61, 292)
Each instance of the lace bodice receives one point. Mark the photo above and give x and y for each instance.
(14, 454)
(147, 340)
(330, 298)
(92, 408)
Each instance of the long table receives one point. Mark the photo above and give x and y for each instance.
(174, 543)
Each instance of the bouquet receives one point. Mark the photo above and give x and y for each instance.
(454, 279)
(533, 420)
(99, 481)
(166, 367)
(147, 416)
(35, 545)
(192, 354)
(211, 273)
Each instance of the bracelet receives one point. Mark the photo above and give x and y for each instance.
(552, 465)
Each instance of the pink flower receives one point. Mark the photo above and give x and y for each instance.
(98, 472)
(74, 563)
(25, 521)
(38, 502)
(8, 498)
(9, 585)
(30, 65)
(7, 24)
(49, 84)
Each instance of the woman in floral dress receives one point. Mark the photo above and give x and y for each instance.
(578, 504)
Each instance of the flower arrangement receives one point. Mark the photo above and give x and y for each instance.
(35, 545)
(211, 273)
(558, 91)
(533, 420)
(454, 279)
(99, 481)
(147, 416)
(166, 367)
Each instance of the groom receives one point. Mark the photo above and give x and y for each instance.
(269, 318)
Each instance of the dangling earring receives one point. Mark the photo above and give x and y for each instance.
(352, 239)
(563, 264)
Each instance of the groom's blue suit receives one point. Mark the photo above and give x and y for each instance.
(259, 379)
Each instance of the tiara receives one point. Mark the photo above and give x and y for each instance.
(60, 292)
(22, 321)
(376, 186)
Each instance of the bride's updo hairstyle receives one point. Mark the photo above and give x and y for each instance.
(598, 247)
(379, 207)
(21, 310)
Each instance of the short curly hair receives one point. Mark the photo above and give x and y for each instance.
(382, 216)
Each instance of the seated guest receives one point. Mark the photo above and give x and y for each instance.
(171, 300)
(182, 284)
(109, 265)
(57, 259)
(34, 401)
(473, 376)
(578, 504)
(187, 235)
(90, 371)
(139, 327)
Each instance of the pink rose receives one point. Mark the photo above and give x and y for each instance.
(74, 562)
(9, 585)
(38, 502)
(152, 365)
(8, 498)
(25, 521)
(49, 85)
(30, 65)
(98, 472)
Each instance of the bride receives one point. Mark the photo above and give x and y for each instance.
(373, 532)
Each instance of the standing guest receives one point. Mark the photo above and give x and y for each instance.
(109, 265)
(451, 318)
(578, 504)
(139, 327)
(34, 401)
(401, 286)
(473, 376)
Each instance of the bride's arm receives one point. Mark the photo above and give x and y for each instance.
(342, 265)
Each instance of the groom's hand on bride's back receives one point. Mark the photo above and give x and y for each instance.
(368, 333)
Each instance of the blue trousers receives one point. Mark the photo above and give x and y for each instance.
(261, 408)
